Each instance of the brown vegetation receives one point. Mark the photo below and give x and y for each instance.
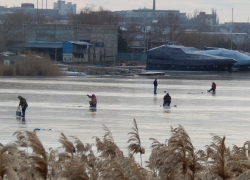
(200, 40)
(95, 17)
(31, 64)
(176, 159)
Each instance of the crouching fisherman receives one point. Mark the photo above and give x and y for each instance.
(23, 103)
(93, 101)
(167, 100)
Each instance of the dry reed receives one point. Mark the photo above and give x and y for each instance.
(175, 159)
(135, 142)
(31, 64)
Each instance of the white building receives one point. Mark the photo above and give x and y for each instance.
(65, 9)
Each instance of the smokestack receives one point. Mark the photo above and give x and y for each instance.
(153, 9)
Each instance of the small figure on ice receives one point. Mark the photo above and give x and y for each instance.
(166, 100)
(23, 103)
(155, 86)
(213, 87)
(93, 101)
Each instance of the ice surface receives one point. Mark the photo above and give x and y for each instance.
(61, 104)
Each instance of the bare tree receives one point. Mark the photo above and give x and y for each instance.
(90, 16)
(174, 27)
(132, 30)
(10, 27)
(214, 13)
(200, 25)
(168, 27)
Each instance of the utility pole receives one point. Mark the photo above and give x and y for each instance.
(37, 9)
(144, 39)
(114, 51)
(153, 9)
(248, 34)
(232, 29)
(55, 45)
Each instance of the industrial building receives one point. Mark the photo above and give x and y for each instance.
(83, 43)
(65, 9)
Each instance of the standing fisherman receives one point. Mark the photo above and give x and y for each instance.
(155, 86)
(23, 103)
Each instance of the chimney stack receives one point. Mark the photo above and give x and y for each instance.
(153, 9)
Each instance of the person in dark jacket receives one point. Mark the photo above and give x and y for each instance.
(167, 100)
(93, 101)
(155, 86)
(213, 87)
(23, 103)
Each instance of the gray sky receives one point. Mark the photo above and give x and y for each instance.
(241, 11)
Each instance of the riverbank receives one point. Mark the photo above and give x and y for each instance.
(30, 64)
(91, 69)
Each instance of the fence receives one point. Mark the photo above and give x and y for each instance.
(141, 58)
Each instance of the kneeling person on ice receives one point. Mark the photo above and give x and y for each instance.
(93, 101)
(167, 100)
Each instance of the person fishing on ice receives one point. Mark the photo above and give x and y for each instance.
(93, 101)
(167, 100)
(23, 103)
(213, 87)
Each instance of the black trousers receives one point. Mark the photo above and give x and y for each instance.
(92, 105)
(23, 111)
(212, 89)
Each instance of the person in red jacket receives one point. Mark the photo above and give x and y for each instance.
(213, 87)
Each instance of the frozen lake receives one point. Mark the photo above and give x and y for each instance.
(61, 104)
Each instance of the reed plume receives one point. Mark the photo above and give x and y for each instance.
(80, 147)
(219, 157)
(110, 169)
(176, 158)
(75, 169)
(55, 164)
(135, 142)
(196, 165)
(157, 158)
(21, 139)
(162, 161)
(39, 158)
(239, 159)
(131, 169)
(107, 147)
(67, 145)
(93, 163)
(181, 146)
(8, 161)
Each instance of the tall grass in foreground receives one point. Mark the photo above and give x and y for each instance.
(135, 142)
(31, 64)
(175, 159)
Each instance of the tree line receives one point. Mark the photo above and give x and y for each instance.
(167, 27)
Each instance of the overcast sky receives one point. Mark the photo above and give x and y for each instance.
(241, 11)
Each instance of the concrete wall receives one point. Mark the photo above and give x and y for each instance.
(94, 34)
